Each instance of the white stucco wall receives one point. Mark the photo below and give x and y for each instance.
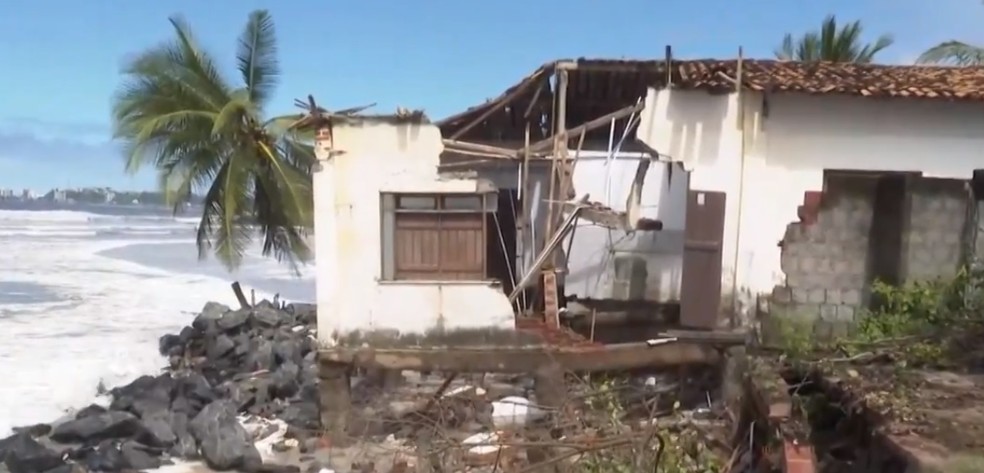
(777, 152)
(376, 157)
(594, 249)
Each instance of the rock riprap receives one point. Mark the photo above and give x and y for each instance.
(258, 361)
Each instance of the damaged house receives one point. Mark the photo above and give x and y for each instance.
(699, 190)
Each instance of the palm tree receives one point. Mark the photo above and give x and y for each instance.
(953, 52)
(832, 44)
(177, 112)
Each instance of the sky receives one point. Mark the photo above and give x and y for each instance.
(62, 58)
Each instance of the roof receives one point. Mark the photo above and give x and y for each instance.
(600, 86)
(936, 82)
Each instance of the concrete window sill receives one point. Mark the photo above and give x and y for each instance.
(486, 283)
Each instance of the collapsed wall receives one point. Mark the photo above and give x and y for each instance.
(865, 227)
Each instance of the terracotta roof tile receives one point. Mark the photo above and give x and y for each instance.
(869, 80)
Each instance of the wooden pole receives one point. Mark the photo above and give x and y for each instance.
(559, 151)
(526, 231)
(238, 291)
(669, 66)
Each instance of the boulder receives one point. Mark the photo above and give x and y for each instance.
(218, 347)
(260, 357)
(156, 430)
(267, 316)
(184, 445)
(90, 410)
(233, 320)
(206, 321)
(170, 345)
(108, 425)
(223, 442)
(36, 430)
(23, 454)
(68, 468)
(283, 383)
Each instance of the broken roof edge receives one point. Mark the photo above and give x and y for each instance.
(401, 117)
(415, 117)
(949, 77)
(531, 78)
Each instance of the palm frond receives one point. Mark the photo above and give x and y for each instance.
(955, 53)
(257, 57)
(203, 74)
(832, 43)
(282, 238)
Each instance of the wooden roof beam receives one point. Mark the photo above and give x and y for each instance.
(499, 104)
(592, 125)
(486, 150)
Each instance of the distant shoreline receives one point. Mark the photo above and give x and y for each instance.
(108, 209)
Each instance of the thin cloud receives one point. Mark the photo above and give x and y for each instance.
(36, 162)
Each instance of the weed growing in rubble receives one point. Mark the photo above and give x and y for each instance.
(684, 449)
(794, 335)
(920, 322)
(962, 464)
(928, 316)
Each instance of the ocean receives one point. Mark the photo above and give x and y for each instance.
(86, 291)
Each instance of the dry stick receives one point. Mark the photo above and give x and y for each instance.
(560, 458)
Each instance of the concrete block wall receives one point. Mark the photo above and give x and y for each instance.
(938, 210)
(824, 258)
(825, 255)
(979, 242)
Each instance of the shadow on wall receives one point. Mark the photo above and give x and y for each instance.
(696, 122)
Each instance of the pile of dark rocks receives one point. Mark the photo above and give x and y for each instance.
(256, 361)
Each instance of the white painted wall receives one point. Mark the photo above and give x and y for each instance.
(376, 157)
(594, 248)
(766, 159)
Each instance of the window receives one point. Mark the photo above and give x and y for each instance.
(435, 237)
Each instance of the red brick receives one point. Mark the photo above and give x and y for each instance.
(798, 458)
(781, 410)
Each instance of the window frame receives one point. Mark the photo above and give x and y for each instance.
(392, 206)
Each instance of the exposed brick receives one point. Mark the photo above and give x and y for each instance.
(798, 458)
(780, 410)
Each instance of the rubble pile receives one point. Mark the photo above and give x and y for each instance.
(257, 362)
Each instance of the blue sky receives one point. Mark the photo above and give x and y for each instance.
(61, 58)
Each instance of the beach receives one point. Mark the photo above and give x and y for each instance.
(86, 294)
